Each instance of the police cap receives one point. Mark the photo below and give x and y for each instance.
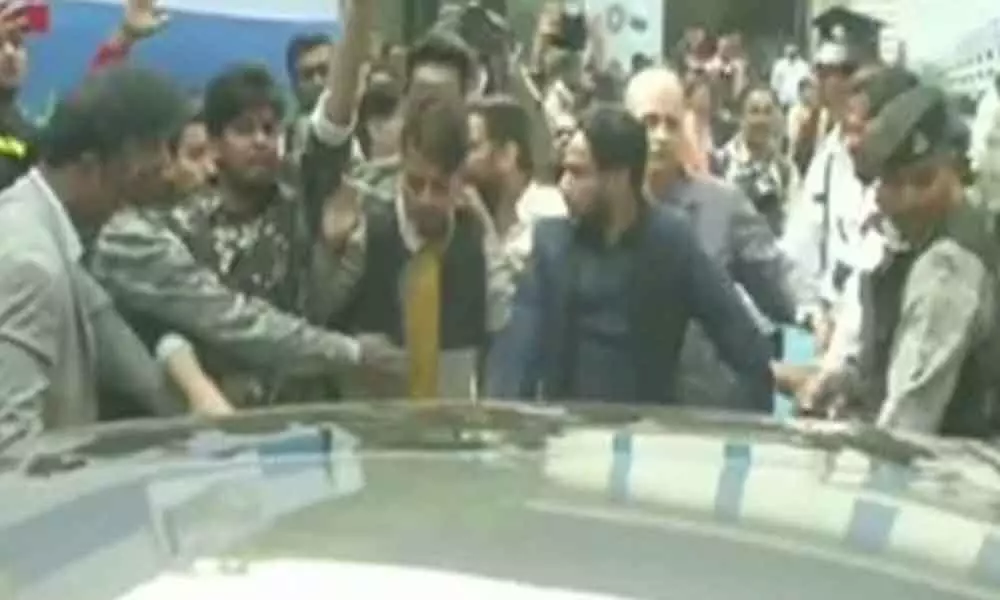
(911, 127)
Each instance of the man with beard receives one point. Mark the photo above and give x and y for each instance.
(500, 166)
(235, 266)
(248, 229)
(604, 306)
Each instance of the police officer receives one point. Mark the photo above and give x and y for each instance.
(929, 309)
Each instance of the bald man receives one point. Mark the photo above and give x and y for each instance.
(728, 226)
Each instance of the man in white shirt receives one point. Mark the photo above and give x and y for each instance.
(499, 166)
(823, 229)
(787, 76)
(824, 232)
(869, 236)
(808, 235)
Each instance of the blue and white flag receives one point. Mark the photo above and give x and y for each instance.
(202, 37)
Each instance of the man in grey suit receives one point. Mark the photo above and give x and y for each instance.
(105, 145)
(730, 230)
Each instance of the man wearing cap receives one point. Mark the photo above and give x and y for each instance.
(871, 90)
(928, 309)
(821, 231)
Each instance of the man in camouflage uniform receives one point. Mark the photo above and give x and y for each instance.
(929, 330)
(234, 265)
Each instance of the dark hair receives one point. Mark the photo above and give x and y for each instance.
(382, 94)
(236, 90)
(617, 141)
(444, 48)
(507, 122)
(110, 111)
(757, 86)
(640, 62)
(572, 33)
(437, 126)
(606, 87)
(881, 84)
(299, 45)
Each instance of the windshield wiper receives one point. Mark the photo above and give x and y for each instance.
(868, 439)
(458, 427)
(403, 426)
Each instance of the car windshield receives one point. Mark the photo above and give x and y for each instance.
(509, 499)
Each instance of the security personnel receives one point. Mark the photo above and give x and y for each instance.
(929, 327)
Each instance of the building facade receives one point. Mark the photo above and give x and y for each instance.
(975, 63)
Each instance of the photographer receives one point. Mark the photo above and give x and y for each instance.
(752, 160)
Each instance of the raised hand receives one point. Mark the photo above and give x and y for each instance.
(12, 18)
(143, 18)
(341, 217)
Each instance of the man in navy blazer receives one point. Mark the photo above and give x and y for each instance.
(602, 310)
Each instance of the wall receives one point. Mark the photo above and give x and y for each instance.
(975, 62)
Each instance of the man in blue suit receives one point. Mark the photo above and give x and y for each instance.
(603, 309)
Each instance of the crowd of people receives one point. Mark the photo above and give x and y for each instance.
(462, 219)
